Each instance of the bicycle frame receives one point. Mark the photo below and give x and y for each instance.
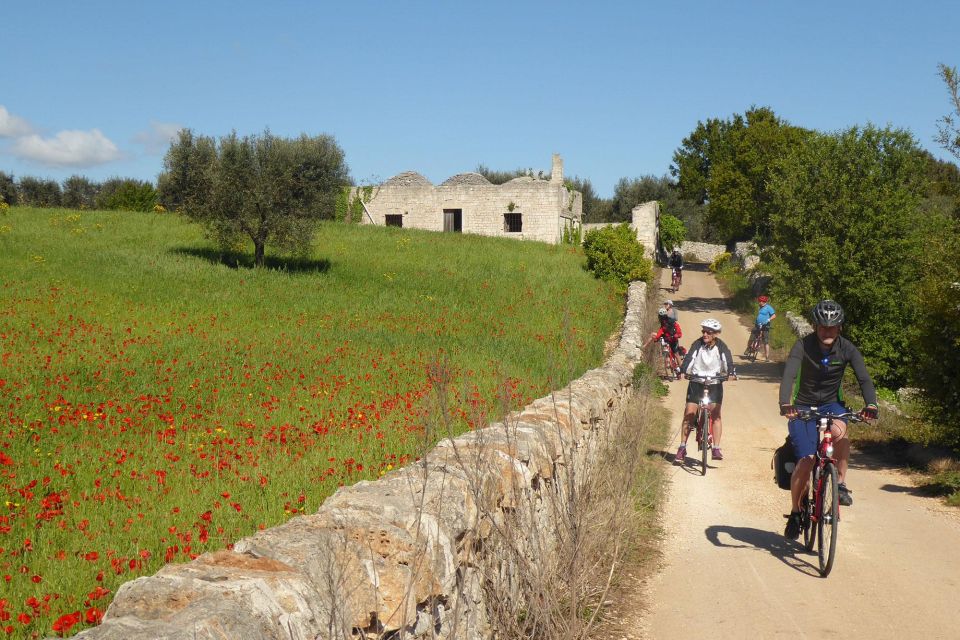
(815, 514)
(704, 418)
(676, 277)
(669, 359)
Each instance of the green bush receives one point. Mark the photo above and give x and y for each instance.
(672, 231)
(127, 194)
(720, 261)
(613, 254)
(39, 192)
(8, 189)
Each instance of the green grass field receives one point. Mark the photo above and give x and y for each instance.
(159, 399)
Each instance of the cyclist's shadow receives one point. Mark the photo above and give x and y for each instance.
(787, 551)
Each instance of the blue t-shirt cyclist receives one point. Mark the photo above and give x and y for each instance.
(762, 324)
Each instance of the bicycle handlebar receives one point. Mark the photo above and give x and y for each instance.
(813, 414)
(708, 380)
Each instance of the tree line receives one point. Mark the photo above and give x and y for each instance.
(78, 192)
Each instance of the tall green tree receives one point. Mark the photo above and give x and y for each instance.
(269, 190)
(948, 130)
(727, 163)
(187, 177)
(843, 225)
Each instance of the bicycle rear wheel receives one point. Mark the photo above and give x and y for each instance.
(829, 521)
(703, 436)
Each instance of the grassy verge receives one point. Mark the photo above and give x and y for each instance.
(159, 399)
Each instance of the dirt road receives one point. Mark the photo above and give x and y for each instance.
(728, 572)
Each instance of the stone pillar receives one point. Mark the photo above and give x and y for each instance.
(556, 174)
(646, 223)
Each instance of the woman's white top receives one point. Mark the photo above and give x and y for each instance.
(706, 362)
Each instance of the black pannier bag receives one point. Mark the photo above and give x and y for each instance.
(783, 463)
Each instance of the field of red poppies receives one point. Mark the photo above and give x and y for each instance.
(159, 400)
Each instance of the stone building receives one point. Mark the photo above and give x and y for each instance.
(526, 208)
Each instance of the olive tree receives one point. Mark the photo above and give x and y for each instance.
(262, 188)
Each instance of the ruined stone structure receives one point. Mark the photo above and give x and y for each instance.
(414, 554)
(525, 208)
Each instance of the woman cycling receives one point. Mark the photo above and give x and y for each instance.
(708, 356)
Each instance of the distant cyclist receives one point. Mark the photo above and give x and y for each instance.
(708, 356)
(676, 261)
(761, 325)
(671, 310)
(812, 378)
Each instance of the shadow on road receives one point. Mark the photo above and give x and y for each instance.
(773, 543)
(701, 305)
(690, 465)
(764, 371)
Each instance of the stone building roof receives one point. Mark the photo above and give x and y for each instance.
(469, 177)
(408, 179)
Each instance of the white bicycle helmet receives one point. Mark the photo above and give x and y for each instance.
(711, 324)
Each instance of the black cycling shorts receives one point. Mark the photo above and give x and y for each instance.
(695, 392)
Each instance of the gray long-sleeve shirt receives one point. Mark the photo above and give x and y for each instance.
(812, 377)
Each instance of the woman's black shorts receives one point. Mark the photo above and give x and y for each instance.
(695, 392)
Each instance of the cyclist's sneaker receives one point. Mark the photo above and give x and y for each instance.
(845, 498)
(681, 455)
(716, 454)
(792, 531)
(677, 371)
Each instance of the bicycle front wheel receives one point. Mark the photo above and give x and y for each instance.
(806, 523)
(703, 435)
(829, 520)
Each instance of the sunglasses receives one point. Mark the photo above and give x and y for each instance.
(710, 332)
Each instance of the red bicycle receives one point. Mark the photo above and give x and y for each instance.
(675, 279)
(668, 360)
(704, 418)
(820, 507)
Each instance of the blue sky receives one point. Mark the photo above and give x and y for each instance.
(97, 88)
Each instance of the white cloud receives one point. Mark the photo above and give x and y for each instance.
(158, 137)
(67, 149)
(12, 126)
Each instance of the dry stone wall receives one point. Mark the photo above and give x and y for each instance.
(410, 553)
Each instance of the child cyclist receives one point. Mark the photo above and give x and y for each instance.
(670, 332)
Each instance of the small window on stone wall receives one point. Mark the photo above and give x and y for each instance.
(394, 220)
(513, 222)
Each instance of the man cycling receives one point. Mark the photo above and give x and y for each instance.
(812, 378)
(761, 325)
(708, 356)
(670, 332)
(676, 264)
